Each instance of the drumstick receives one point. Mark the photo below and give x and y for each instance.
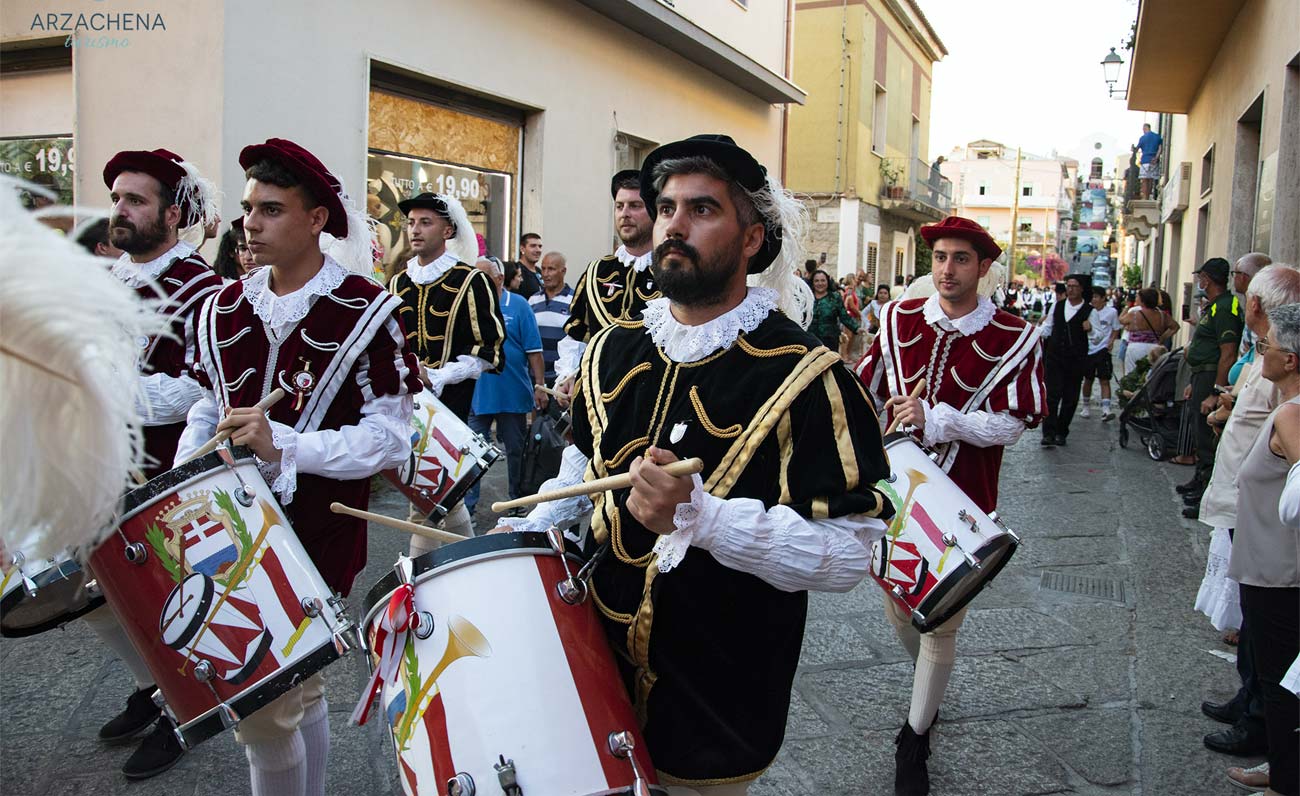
(685, 467)
(221, 436)
(916, 393)
(549, 391)
(401, 525)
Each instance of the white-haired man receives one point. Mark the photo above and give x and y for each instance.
(451, 315)
(704, 595)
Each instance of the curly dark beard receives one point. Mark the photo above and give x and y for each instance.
(702, 285)
(138, 240)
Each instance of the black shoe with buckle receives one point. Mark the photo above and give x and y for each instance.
(1236, 741)
(159, 751)
(139, 714)
(911, 776)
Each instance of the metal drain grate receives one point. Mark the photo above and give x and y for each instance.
(1086, 585)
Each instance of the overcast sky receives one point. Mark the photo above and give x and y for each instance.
(1027, 73)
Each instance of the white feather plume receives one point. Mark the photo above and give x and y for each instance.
(65, 448)
(464, 244)
(783, 212)
(990, 284)
(198, 192)
(355, 252)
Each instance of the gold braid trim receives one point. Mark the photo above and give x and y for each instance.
(730, 432)
(669, 779)
(622, 619)
(786, 440)
(452, 313)
(638, 644)
(840, 421)
(764, 353)
(437, 314)
(627, 378)
(813, 364)
(625, 452)
(821, 509)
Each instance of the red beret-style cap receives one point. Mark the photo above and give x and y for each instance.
(315, 177)
(161, 164)
(965, 229)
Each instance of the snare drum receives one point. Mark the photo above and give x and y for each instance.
(40, 595)
(217, 594)
(940, 549)
(447, 458)
(503, 680)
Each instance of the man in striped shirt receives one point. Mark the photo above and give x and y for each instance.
(551, 306)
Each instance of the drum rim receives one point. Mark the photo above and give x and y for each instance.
(174, 480)
(958, 575)
(17, 596)
(456, 555)
(208, 723)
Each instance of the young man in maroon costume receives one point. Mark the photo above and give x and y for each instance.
(984, 386)
(154, 195)
(333, 340)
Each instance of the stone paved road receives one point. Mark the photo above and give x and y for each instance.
(1053, 692)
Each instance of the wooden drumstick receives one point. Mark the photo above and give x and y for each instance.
(916, 393)
(549, 391)
(685, 467)
(208, 447)
(401, 525)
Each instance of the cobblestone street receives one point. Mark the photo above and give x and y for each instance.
(1080, 669)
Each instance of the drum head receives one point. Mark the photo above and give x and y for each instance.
(60, 597)
(459, 554)
(168, 482)
(956, 591)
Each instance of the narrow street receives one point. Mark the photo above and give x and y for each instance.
(1080, 670)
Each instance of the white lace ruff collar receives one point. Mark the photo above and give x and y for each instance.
(140, 274)
(682, 343)
(638, 262)
(425, 274)
(276, 311)
(968, 324)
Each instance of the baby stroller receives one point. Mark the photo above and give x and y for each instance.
(1153, 411)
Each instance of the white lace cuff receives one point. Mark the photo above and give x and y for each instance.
(671, 549)
(569, 352)
(282, 475)
(943, 423)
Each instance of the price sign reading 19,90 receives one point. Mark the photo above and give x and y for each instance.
(462, 188)
(52, 159)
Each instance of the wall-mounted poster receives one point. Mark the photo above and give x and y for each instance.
(46, 162)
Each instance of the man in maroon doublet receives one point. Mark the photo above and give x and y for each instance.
(984, 386)
(333, 341)
(154, 195)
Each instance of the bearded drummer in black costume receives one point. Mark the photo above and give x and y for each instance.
(704, 594)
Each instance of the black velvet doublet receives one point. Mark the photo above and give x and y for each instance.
(708, 653)
(454, 315)
(608, 293)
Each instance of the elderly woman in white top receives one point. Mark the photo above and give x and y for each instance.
(1266, 553)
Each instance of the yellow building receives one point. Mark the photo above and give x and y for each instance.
(859, 147)
(1230, 102)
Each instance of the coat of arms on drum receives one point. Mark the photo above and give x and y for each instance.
(213, 613)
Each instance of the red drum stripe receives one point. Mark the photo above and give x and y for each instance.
(435, 724)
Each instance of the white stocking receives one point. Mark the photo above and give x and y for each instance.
(278, 767)
(315, 731)
(933, 670)
(109, 630)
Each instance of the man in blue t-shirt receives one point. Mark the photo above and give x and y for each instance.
(1149, 162)
(507, 397)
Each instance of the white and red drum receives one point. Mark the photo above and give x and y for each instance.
(940, 549)
(447, 458)
(217, 594)
(510, 682)
(42, 594)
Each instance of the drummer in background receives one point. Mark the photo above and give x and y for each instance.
(704, 594)
(154, 195)
(452, 316)
(338, 347)
(984, 387)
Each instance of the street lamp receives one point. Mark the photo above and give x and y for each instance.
(1110, 66)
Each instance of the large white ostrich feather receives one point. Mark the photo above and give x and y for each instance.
(67, 445)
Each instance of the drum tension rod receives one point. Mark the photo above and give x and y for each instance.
(951, 540)
(506, 776)
(242, 493)
(29, 585)
(621, 745)
(573, 590)
(203, 672)
(918, 618)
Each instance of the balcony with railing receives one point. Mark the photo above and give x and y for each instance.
(913, 190)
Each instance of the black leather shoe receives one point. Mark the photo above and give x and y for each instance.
(1060, 441)
(1193, 485)
(1047, 441)
(1228, 712)
(1192, 497)
(139, 714)
(911, 776)
(1192, 511)
(158, 752)
(1236, 741)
